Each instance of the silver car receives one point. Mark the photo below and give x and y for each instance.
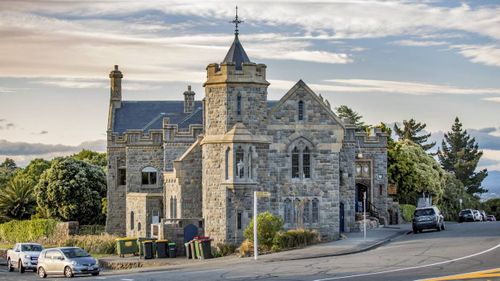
(67, 261)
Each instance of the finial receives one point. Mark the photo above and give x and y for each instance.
(236, 21)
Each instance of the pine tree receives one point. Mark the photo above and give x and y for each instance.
(346, 112)
(460, 154)
(410, 131)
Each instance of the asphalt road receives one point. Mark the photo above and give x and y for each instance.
(462, 248)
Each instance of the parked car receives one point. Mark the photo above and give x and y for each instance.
(23, 256)
(427, 218)
(466, 215)
(491, 218)
(67, 261)
(477, 215)
(483, 215)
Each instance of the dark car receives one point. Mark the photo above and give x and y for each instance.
(466, 215)
(427, 218)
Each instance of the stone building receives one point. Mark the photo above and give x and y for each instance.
(174, 164)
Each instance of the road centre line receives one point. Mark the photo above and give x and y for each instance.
(409, 268)
(470, 275)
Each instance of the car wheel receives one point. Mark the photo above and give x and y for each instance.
(41, 273)
(9, 266)
(438, 228)
(95, 273)
(20, 266)
(68, 272)
(415, 231)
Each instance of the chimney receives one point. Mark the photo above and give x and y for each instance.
(115, 77)
(189, 100)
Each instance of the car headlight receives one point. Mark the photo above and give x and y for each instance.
(27, 256)
(74, 263)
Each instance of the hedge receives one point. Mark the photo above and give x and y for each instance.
(294, 238)
(27, 230)
(407, 211)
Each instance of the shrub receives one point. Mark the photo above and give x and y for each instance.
(95, 244)
(407, 211)
(294, 238)
(267, 227)
(224, 249)
(27, 230)
(246, 248)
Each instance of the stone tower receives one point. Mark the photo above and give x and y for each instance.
(235, 144)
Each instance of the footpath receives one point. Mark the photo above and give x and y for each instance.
(350, 244)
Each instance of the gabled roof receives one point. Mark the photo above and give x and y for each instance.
(236, 54)
(147, 115)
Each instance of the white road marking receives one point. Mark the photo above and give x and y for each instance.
(409, 268)
(126, 279)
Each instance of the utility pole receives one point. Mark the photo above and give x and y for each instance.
(255, 242)
(364, 215)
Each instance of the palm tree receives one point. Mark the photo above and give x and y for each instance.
(17, 200)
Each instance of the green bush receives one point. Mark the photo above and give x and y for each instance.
(95, 244)
(294, 238)
(267, 227)
(407, 211)
(27, 230)
(223, 249)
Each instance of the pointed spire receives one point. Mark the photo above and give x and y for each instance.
(236, 53)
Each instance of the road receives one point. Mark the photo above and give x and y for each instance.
(462, 248)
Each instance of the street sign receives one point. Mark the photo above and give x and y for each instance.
(263, 193)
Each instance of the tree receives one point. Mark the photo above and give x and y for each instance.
(92, 157)
(33, 171)
(414, 172)
(459, 154)
(7, 170)
(17, 200)
(71, 190)
(346, 112)
(410, 131)
(388, 132)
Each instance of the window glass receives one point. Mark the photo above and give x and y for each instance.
(122, 176)
(306, 163)
(149, 176)
(295, 163)
(238, 106)
(315, 210)
(288, 210)
(306, 213)
(238, 220)
(240, 165)
(75, 253)
(301, 110)
(132, 220)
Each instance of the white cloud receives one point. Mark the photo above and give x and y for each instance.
(493, 99)
(386, 86)
(485, 54)
(414, 43)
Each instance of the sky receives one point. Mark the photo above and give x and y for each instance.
(388, 60)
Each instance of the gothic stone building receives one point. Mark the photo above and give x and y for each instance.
(174, 163)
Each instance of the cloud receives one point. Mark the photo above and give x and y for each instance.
(23, 152)
(6, 90)
(413, 43)
(386, 86)
(44, 132)
(73, 83)
(493, 99)
(484, 54)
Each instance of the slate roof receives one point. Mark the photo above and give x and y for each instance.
(147, 115)
(236, 54)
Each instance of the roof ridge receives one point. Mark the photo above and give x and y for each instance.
(190, 115)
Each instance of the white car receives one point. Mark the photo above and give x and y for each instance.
(477, 215)
(23, 256)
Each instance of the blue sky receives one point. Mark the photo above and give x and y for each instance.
(389, 60)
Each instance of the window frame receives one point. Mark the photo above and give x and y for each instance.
(149, 176)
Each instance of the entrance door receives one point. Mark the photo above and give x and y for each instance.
(190, 231)
(341, 215)
(360, 189)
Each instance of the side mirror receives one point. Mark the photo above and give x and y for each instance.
(61, 258)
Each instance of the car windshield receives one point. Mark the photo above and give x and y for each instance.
(75, 253)
(424, 212)
(31, 248)
(465, 212)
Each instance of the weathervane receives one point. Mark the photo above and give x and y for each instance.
(236, 21)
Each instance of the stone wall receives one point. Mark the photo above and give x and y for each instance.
(115, 219)
(322, 133)
(140, 157)
(144, 206)
(347, 179)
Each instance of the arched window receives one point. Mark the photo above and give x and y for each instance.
(240, 164)
(295, 163)
(250, 151)
(238, 104)
(132, 220)
(138, 226)
(149, 176)
(301, 110)
(228, 151)
(306, 163)
(288, 210)
(307, 212)
(315, 210)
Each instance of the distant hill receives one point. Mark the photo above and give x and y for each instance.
(492, 183)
